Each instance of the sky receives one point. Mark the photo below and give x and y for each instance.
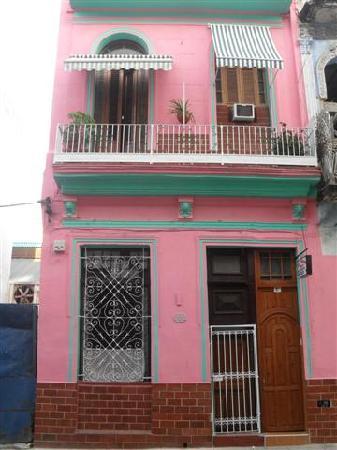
(28, 34)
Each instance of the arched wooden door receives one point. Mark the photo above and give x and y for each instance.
(279, 341)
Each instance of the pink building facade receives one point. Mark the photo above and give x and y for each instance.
(188, 294)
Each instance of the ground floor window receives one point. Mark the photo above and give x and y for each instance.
(115, 317)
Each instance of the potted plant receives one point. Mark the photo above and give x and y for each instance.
(78, 135)
(181, 109)
(287, 142)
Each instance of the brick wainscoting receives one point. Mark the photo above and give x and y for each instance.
(123, 415)
(150, 415)
(322, 422)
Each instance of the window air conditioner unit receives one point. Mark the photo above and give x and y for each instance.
(243, 112)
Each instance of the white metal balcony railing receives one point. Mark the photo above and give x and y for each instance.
(218, 144)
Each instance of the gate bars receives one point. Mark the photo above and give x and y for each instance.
(235, 390)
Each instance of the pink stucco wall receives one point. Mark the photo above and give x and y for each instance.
(178, 251)
(178, 278)
(190, 45)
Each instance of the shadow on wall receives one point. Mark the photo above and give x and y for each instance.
(327, 212)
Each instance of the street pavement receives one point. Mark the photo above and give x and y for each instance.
(293, 447)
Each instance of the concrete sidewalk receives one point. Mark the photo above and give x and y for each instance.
(293, 447)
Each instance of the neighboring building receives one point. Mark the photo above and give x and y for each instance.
(5, 261)
(24, 278)
(178, 302)
(319, 61)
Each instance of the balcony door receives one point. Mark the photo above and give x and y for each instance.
(121, 96)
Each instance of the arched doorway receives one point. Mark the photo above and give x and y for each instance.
(121, 96)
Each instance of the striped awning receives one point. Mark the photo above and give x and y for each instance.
(245, 46)
(116, 62)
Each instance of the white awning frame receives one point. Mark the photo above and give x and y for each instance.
(245, 46)
(117, 62)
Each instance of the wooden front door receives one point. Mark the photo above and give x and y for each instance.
(279, 341)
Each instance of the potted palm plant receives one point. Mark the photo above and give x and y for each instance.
(288, 142)
(79, 133)
(181, 109)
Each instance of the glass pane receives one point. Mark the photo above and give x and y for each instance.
(226, 264)
(228, 302)
(286, 266)
(265, 266)
(261, 86)
(218, 87)
(276, 267)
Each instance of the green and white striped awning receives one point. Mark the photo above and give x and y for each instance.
(245, 46)
(116, 62)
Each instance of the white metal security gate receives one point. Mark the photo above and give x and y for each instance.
(235, 390)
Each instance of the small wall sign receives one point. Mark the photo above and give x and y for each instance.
(180, 318)
(324, 403)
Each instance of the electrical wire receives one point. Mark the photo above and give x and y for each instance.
(8, 205)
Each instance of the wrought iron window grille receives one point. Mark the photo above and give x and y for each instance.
(115, 315)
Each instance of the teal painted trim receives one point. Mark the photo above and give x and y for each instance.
(202, 315)
(302, 293)
(151, 96)
(72, 309)
(156, 224)
(75, 297)
(123, 35)
(213, 88)
(125, 32)
(192, 19)
(165, 184)
(275, 7)
(155, 314)
(271, 94)
(91, 93)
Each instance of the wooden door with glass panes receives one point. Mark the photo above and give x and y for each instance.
(279, 341)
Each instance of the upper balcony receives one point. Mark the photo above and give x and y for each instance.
(233, 80)
(190, 143)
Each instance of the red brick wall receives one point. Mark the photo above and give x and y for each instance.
(322, 422)
(182, 410)
(123, 415)
(114, 407)
(55, 412)
(150, 415)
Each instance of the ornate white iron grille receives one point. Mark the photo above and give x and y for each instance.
(235, 394)
(115, 316)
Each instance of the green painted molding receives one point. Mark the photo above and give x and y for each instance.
(164, 184)
(177, 225)
(185, 209)
(268, 6)
(70, 208)
(298, 211)
(183, 18)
